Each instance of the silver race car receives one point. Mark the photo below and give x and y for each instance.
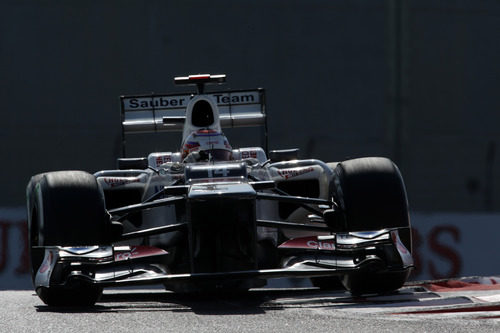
(214, 217)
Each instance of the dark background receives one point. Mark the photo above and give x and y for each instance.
(416, 81)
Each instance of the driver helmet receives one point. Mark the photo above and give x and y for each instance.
(206, 145)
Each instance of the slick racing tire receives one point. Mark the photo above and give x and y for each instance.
(65, 208)
(371, 195)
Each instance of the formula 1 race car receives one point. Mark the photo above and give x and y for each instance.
(210, 217)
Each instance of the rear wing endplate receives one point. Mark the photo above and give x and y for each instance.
(166, 112)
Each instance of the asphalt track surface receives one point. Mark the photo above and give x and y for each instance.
(416, 308)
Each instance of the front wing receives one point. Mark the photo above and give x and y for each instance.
(109, 266)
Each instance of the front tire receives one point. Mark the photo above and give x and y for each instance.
(65, 208)
(372, 196)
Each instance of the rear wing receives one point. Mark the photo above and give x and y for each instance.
(166, 112)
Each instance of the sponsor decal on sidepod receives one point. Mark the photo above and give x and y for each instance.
(290, 173)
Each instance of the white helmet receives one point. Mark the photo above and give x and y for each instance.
(206, 145)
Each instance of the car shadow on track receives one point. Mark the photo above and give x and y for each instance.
(255, 301)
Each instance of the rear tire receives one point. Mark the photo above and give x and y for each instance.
(66, 208)
(372, 196)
